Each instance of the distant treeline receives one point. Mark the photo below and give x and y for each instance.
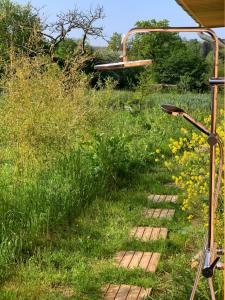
(177, 61)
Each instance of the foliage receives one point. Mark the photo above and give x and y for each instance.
(102, 56)
(182, 66)
(61, 146)
(24, 32)
(67, 49)
(77, 261)
(75, 19)
(115, 42)
(209, 59)
(19, 25)
(191, 153)
(176, 61)
(125, 78)
(156, 45)
(206, 48)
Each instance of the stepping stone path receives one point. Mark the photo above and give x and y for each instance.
(159, 213)
(148, 261)
(149, 233)
(125, 292)
(163, 198)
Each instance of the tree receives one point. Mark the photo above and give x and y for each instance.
(153, 45)
(175, 61)
(209, 60)
(19, 25)
(22, 30)
(87, 25)
(115, 42)
(206, 48)
(57, 32)
(67, 48)
(183, 66)
(193, 45)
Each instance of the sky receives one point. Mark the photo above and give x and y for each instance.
(121, 15)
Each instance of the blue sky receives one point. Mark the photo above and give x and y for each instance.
(121, 15)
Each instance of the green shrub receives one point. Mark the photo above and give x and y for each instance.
(62, 146)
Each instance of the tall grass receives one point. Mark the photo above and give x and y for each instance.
(63, 144)
(61, 147)
(41, 118)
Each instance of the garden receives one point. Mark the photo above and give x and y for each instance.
(81, 150)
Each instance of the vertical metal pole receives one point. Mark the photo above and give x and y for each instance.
(212, 207)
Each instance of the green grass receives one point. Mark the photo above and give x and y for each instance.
(75, 173)
(74, 262)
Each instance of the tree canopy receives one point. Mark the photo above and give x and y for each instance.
(154, 45)
(185, 67)
(176, 61)
(19, 25)
(115, 41)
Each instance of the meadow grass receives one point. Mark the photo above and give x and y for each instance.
(76, 167)
(77, 260)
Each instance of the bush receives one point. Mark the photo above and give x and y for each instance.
(191, 153)
(61, 147)
(182, 66)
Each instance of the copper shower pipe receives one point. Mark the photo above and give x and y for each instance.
(178, 30)
(214, 102)
(214, 90)
(215, 41)
(125, 63)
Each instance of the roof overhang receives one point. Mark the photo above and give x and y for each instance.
(207, 13)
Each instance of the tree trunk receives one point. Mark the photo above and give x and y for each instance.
(83, 50)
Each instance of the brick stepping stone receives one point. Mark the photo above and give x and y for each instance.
(159, 213)
(148, 261)
(163, 198)
(148, 233)
(125, 292)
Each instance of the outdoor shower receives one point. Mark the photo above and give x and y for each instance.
(209, 259)
(210, 262)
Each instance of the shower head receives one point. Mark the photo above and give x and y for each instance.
(176, 111)
(123, 65)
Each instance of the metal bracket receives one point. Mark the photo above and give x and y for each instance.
(208, 270)
(213, 139)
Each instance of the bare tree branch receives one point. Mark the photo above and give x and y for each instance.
(72, 20)
(45, 38)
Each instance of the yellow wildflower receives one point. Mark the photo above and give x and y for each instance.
(190, 217)
(184, 130)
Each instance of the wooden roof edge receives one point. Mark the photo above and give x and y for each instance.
(193, 15)
(189, 11)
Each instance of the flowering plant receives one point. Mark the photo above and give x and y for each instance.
(191, 153)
